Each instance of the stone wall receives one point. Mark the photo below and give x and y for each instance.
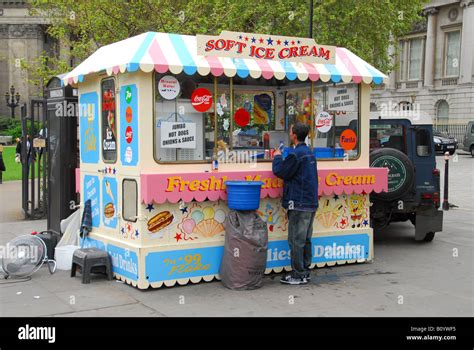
(22, 36)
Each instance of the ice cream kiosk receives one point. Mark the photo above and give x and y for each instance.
(167, 119)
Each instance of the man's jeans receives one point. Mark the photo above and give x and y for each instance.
(300, 231)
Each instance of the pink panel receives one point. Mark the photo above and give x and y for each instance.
(155, 52)
(313, 74)
(216, 67)
(199, 186)
(78, 180)
(356, 76)
(267, 71)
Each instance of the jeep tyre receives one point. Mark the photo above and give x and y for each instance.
(429, 237)
(401, 172)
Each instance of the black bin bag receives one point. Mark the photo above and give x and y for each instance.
(245, 250)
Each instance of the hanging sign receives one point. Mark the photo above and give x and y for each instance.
(348, 139)
(342, 98)
(178, 135)
(262, 46)
(201, 100)
(242, 117)
(323, 122)
(169, 87)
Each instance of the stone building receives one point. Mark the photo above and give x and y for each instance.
(22, 36)
(435, 67)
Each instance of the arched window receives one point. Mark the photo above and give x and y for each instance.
(373, 107)
(405, 106)
(442, 110)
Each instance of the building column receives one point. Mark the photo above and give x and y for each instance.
(467, 42)
(392, 77)
(430, 47)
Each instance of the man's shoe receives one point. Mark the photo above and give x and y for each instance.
(290, 279)
(308, 276)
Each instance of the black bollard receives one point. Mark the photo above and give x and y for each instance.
(446, 171)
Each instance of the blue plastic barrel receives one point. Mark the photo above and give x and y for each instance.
(339, 152)
(243, 195)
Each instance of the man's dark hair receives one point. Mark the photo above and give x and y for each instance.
(301, 130)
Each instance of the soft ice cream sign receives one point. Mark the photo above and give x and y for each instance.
(269, 47)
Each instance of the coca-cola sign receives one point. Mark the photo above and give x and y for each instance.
(323, 122)
(201, 99)
(128, 134)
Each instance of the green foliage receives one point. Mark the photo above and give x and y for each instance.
(5, 123)
(366, 27)
(10, 127)
(43, 68)
(14, 131)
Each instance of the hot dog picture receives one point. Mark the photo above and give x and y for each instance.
(160, 221)
(109, 210)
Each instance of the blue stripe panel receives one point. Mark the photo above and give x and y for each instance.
(134, 64)
(189, 66)
(376, 77)
(124, 261)
(186, 263)
(335, 75)
(324, 249)
(242, 69)
(289, 70)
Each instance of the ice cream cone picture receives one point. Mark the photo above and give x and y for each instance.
(327, 214)
(206, 222)
(109, 190)
(89, 135)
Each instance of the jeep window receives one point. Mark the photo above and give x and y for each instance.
(423, 143)
(388, 136)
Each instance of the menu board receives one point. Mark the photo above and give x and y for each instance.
(89, 127)
(178, 135)
(109, 124)
(342, 98)
(129, 135)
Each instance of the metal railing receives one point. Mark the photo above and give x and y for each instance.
(456, 129)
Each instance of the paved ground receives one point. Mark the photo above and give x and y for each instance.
(406, 279)
(10, 202)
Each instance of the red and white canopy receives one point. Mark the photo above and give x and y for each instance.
(174, 53)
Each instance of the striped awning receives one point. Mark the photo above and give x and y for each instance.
(176, 53)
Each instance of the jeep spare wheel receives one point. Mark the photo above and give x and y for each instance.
(401, 172)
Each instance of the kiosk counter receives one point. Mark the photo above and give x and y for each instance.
(160, 112)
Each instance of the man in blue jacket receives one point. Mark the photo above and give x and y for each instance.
(300, 198)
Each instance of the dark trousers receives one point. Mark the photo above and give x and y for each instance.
(300, 231)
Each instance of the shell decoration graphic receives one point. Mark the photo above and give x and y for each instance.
(204, 222)
(328, 214)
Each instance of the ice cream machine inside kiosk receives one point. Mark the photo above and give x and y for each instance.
(167, 119)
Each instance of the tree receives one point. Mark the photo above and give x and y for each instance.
(366, 27)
